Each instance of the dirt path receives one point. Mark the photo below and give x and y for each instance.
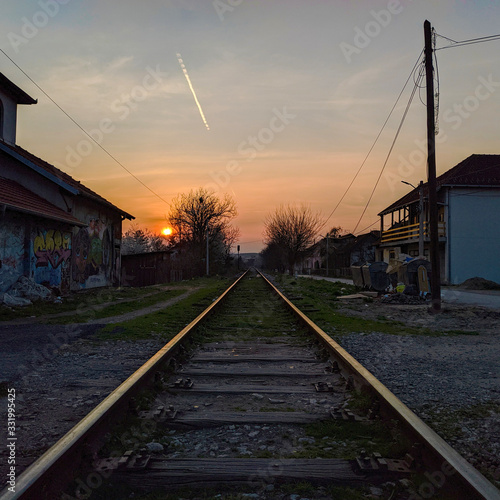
(98, 307)
(141, 312)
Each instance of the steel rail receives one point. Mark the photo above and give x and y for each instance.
(51, 473)
(444, 460)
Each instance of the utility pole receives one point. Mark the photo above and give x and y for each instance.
(431, 173)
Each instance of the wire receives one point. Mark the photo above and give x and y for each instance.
(374, 142)
(471, 41)
(389, 153)
(367, 227)
(82, 129)
(437, 93)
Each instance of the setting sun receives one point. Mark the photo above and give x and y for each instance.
(167, 231)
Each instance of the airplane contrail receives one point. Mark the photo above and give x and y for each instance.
(184, 70)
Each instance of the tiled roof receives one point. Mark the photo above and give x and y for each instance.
(474, 171)
(59, 174)
(18, 198)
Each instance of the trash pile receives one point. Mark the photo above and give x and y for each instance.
(24, 292)
(404, 280)
(402, 298)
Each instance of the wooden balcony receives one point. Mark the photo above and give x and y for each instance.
(409, 234)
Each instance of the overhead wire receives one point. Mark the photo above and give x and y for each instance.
(390, 150)
(471, 41)
(437, 93)
(416, 65)
(367, 227)
(118, 162)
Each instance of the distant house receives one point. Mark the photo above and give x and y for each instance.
(468, 209)
(52, 228)
(343, 252)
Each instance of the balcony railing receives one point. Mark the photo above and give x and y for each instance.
(410, 233)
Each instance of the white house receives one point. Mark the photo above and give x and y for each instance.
(469, 232)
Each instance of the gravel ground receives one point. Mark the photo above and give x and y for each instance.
(439, 378)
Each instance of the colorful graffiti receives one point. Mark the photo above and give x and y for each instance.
(50, 257)
(91, 254)
(53, 248)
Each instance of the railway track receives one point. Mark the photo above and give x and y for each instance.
(251, 398)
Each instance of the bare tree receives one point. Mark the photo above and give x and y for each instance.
(200, 214)
(292, 229)
(137, 240)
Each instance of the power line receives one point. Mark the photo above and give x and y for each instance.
(367, 227)
(416, 86)
(374, 142)
(82, 129)
(471, 41)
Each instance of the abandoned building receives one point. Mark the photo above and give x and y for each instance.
(53, 229)
(469, 239)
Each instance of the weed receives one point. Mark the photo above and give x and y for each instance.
(360, 402)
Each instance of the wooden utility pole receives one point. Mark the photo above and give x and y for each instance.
(431, 173)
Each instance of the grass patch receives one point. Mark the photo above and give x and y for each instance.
(360, 402)
(303, 488)
(340, 438)
(118, 309)
(323, 294)
(239, 408)
(79, 301)
(165, 324)
(244, 315)
(449, 423)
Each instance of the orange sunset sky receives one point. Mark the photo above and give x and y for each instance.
(287, 98)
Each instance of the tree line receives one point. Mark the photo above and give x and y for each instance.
(202, 225)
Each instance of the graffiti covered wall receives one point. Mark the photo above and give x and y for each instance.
(12, 255)
(92, 255)
(51, 257)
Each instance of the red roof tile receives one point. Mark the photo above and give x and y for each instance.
(85, 191)
(18, 198)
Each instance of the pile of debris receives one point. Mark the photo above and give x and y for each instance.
(24, 292)
(402, 298)
(479, 284)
